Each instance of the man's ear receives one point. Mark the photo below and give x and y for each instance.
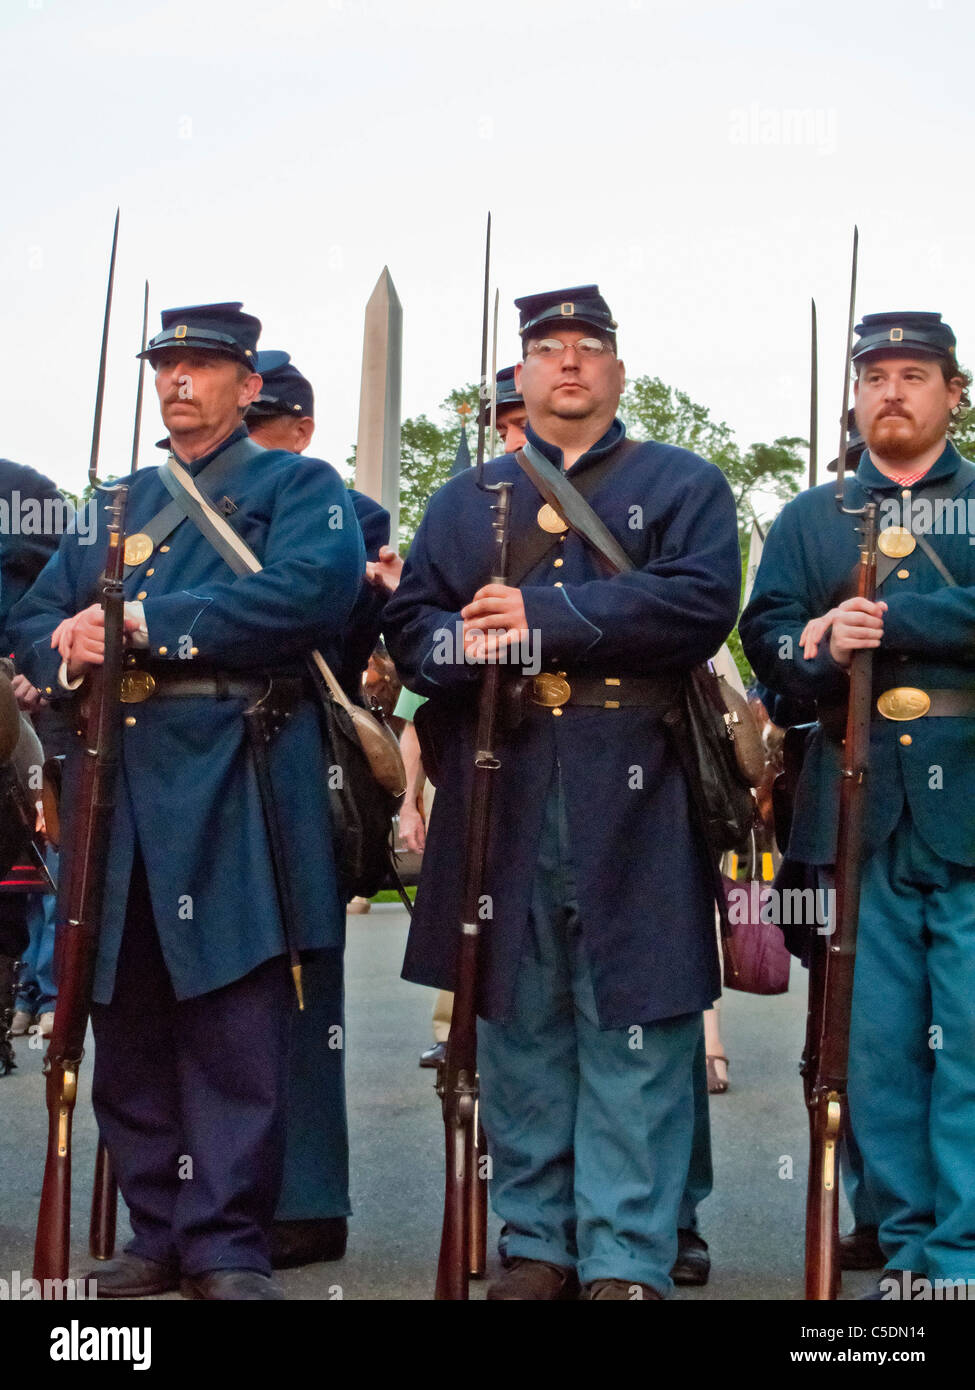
(250, 389)
(305, 428)
(622, 367)
(518, 370)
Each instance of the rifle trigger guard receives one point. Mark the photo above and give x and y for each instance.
(834, 1119)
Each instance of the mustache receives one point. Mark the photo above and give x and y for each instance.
(895, 412)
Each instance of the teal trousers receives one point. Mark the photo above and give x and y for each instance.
(912, 1055)
(589, 1129)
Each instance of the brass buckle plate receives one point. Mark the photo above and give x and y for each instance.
(136, 686)
(138, 548)
(550, 690)
(904, 702)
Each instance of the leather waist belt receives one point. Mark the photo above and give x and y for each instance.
(554, 689)
(901, 704)
(139, 685)
(905, 702)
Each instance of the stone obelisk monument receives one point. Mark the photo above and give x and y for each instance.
(378, 443)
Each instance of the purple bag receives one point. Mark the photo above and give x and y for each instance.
(755, 955)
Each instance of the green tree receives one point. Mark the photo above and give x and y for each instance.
(761, 479)
(963, 435)
(427, 454)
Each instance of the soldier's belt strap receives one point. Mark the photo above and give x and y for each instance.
(139, 685)
(906, 702)
(903, 703)
(554, 689)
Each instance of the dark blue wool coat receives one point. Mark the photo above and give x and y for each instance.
(186, 789)
(646, 910)
(929, 642)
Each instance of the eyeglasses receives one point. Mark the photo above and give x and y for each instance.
(553, 347)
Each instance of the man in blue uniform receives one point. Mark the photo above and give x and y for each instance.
(510, 414)
(33, 515)
(599, 955)
(192, 988)
(311, 1218)
(912, 1060)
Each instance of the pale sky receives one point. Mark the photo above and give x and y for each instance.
(703, 163)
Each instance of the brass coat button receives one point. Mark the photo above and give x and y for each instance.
(906, 739)
(130, 720)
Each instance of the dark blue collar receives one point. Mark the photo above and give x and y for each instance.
(241, 432)
(870, 476)
(613, 436)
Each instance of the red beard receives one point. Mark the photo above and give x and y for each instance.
(895, 437)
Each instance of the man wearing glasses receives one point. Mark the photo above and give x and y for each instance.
(599, 955)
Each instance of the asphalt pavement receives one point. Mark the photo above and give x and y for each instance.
(753, 1220)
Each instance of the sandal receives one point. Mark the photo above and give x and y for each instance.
(716, 1087)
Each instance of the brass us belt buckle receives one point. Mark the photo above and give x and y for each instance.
(550, 690)
(904, 702)
(136, 687)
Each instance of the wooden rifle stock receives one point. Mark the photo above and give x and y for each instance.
(77, 936)
(832, 966)
(464, 1198)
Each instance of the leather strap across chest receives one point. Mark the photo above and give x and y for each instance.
(945, 490)
(165, 522)
(568, 496)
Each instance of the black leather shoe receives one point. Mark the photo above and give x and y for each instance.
(306, 1242)
(859, 1249)
(894, 1284)
(434, 1056)
(231, 1286)
(693, 1263)
(133, 1276)
(620, 1290)
(535, 1281)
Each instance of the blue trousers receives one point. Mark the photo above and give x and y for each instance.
(589, 1129)
(190, 1100)
(36, 990)
(912, 1055)
(316, 1163)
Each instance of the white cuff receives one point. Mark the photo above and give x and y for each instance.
(139, 638)
(63, 681)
